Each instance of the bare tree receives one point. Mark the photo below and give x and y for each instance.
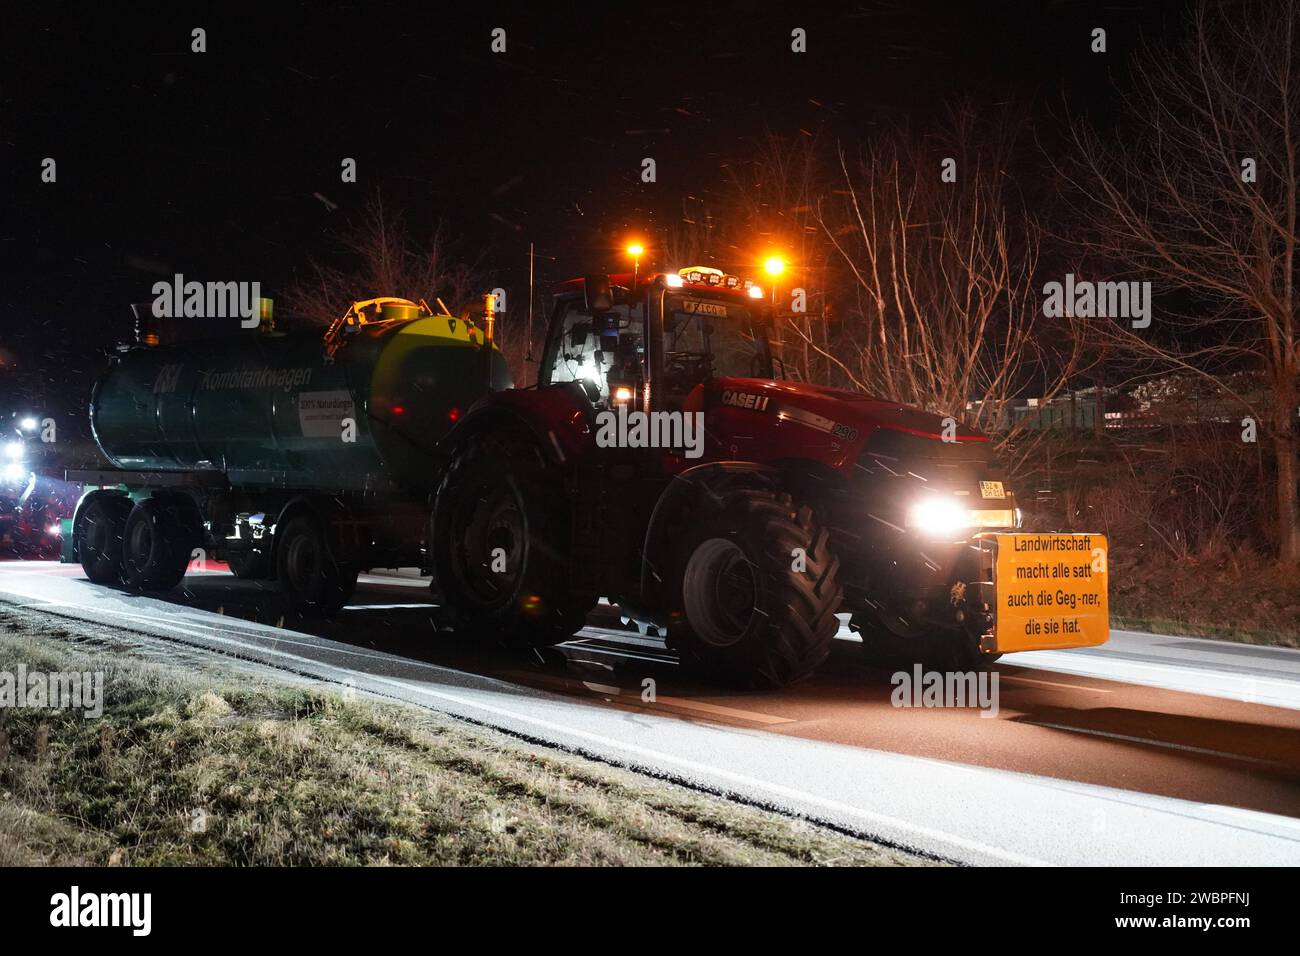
(1201, 195)
(692, 240)
(773, 208)
(947, 314)
(382, 258)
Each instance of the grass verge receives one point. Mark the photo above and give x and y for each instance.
(213, 763)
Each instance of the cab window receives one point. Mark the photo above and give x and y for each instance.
(602, 351)
(704, 338)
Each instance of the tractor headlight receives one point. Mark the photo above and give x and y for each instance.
(939, 516)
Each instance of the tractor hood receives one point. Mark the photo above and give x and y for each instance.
(779, 419)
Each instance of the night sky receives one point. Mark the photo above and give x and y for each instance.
(206, 164)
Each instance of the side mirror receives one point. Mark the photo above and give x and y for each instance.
(599, 295)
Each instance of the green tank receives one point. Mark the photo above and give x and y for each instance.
(362, 410)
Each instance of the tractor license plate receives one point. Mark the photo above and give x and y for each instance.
(1051, 591)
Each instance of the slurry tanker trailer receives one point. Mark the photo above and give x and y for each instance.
(291, 456)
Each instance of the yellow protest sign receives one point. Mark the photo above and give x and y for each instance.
(1051, 591)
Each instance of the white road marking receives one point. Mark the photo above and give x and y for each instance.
(1253, 817)
(1052, 683)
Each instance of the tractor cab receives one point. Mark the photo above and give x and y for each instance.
(647, 344)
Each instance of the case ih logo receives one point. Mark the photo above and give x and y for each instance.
(745, 400)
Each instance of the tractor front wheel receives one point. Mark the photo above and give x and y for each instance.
(757, 590)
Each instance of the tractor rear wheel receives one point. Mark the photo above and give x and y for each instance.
(757, 590)
(500, 534)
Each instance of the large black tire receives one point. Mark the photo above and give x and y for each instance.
(932, 648)
(99, 531)
(747, 610)
(500, 539)
(312, 578)
(250, 565)
(156, 543)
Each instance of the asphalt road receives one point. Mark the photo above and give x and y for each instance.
(1149, 750)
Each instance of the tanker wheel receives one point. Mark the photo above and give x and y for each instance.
(309, 574)
(98, 537)
(501, 545)
(905, 644)
(758, 591)
(249, 565)
(156, 544)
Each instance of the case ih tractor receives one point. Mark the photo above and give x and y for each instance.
(804, 502)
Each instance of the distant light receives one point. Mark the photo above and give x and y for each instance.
(453, 415)
(635, 249)
(14, 471)
(28, 424)
(774, 265)
(14, 449)
(55, 530)
(622, 395)
(398, 409)
(755, 292)
(673, 282)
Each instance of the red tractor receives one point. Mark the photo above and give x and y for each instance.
(796, 502)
